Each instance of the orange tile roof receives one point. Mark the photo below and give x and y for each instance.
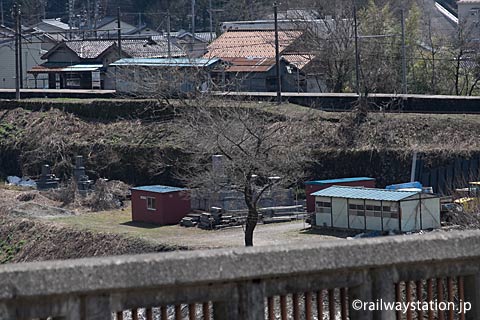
(250, 44)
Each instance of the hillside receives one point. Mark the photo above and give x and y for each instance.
(26, 240)
(151, 150)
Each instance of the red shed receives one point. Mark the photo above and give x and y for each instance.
(160, 204)
(314, 186)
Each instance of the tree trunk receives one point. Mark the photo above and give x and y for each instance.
(252, 220)
(252, 217)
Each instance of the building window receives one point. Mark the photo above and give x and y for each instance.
(373, 211)
(356, 210)
(151, 203)
(390, 211)
(324, 207)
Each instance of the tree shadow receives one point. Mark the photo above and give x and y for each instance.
(143, 225)
(338, 233)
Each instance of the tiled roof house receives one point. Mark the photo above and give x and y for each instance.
(250, 55)
(80, 64)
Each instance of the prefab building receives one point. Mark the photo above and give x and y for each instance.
(376, 209)
(161, 205)
(317, 185)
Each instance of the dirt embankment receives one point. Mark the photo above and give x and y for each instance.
(25, 240)
(150, 151)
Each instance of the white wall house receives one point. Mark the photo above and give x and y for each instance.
(376, 209)
(469, 17)
(31, 56)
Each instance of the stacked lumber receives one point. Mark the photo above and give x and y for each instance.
(191, 220)
(207, 221)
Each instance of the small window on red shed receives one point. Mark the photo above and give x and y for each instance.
(151, 203)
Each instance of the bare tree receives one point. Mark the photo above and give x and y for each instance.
(261, 150)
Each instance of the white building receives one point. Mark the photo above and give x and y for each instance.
(361, 208)
(31, 56)
(469, 17)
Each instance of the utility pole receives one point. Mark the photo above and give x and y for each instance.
(71, 4)
(119, 34)
(404, 57)
(89, 15)
(277, 56)
(210, 13)
(20, 56)
(44, 9)
(1, 9)
(193, 24)
(16, 11)
(357, 56)
(169, 44)
(95, 16)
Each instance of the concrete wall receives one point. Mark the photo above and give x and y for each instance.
(170, 207)
(237, 281)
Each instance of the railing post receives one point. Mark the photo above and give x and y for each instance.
(362, 293)
(383, 290)
(247, 304)
(7, 311)
(97, 307)
(472, 295)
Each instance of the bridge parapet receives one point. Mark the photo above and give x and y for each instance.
(299, 282)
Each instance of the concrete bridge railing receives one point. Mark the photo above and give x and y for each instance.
(318, 281)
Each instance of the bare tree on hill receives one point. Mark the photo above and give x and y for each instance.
(260, 149)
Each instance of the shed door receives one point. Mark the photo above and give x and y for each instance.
(410, 215)
(323, 209)
(390, 213)
(430, 213)
(356, 214)
(339, 213)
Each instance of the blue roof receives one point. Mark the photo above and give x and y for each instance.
(166, 62)
(364, 193)
(343, 180)
(159, 189)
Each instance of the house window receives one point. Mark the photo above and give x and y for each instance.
(324, 207)
(151, 203)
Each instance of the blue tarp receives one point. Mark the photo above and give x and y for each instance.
(406, 185)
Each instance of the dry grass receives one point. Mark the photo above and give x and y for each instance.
(119, 222)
